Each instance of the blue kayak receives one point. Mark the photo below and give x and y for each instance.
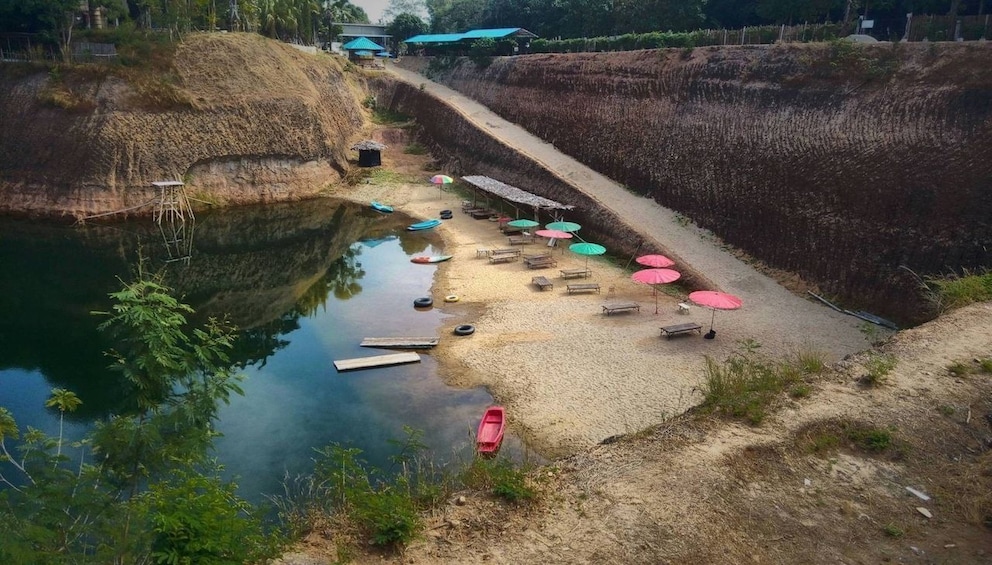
(380, 207)
(425, 225)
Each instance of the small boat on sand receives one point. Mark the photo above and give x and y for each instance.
(425, 225)
(380, 207)
(424, 259)
(490, 435)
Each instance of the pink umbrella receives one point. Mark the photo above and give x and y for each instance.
(553, 235)
(656, 276)
(656, 261)
(716, 301)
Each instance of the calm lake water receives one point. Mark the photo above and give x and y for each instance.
(305, 282)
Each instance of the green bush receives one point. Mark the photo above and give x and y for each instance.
(957, 291)
(745, 385)
(878, 367)
(870, 439)
(501, 477)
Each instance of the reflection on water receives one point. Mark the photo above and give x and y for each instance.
(305, 282)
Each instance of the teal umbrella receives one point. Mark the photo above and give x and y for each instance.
(523, 224)
(586, 249)
(566, 226)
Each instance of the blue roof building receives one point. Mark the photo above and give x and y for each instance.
(468, 37)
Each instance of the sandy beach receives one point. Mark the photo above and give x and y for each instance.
(569, 375)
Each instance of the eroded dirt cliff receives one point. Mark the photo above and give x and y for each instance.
(238, 117)
(841, 163)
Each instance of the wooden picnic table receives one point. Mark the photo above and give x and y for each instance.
(502, 257)
(520, 239)
(542, 282)
(540, 263)
(614, 307)
(575, 273)
(506, 251)
(677, 329)
(583, 287)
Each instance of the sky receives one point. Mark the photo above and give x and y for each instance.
(374, 8)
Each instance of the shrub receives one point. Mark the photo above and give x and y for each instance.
(501, 477)
(415, 149)
(959, 369)
(745, 385)
(870, 439)
(879, 366)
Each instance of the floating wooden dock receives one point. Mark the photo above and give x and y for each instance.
(400, 342)
(376, 361)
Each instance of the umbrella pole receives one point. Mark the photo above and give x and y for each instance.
(655, 300)
(712, 317)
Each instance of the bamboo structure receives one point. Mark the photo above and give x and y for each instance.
(175, 218)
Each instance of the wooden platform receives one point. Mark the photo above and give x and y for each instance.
(400, 342)
(376, 361)
(615, 307)
(677, 329)
(583, 287)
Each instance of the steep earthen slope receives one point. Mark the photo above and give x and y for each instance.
(238, 117)
(839, 163)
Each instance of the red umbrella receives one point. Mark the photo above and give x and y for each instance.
(656, 261)
(716, 301)
(656, 276)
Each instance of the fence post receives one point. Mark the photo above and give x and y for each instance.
(909, 24)
(743, 34)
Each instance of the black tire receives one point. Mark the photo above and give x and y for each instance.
(465, 329)
(445, 212)
(424, 302)
(447, 216)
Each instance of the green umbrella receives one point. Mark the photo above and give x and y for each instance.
(565, 226)
(524, 224)
(585, 248)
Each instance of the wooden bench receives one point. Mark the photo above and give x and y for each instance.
(540, 263)
(542, 282)
(506, 251)
(502, 257)
(620, 307)
(520, 239)
(575, 273)
(533, 256)
(583, 287)
(677, 329)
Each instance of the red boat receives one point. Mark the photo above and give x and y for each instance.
(491, 428)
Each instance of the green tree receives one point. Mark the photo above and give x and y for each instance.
(397, 7)
(150, 494)
(64, 401)
(452, 16)
(405, 26)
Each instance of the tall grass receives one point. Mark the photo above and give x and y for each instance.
(385, 505)
(746, 385)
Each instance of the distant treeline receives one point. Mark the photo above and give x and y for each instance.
(313, 21)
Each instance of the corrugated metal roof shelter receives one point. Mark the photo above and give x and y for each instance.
(436, 38)
(449, 38)
(515, 195)
(498, 33)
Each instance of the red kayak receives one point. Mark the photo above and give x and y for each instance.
(490, 434)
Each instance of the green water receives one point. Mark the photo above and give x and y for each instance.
(305, 282)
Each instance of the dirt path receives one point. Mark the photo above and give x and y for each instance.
(772, 315)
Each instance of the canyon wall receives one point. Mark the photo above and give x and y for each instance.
(238, 117)
(841, 163)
